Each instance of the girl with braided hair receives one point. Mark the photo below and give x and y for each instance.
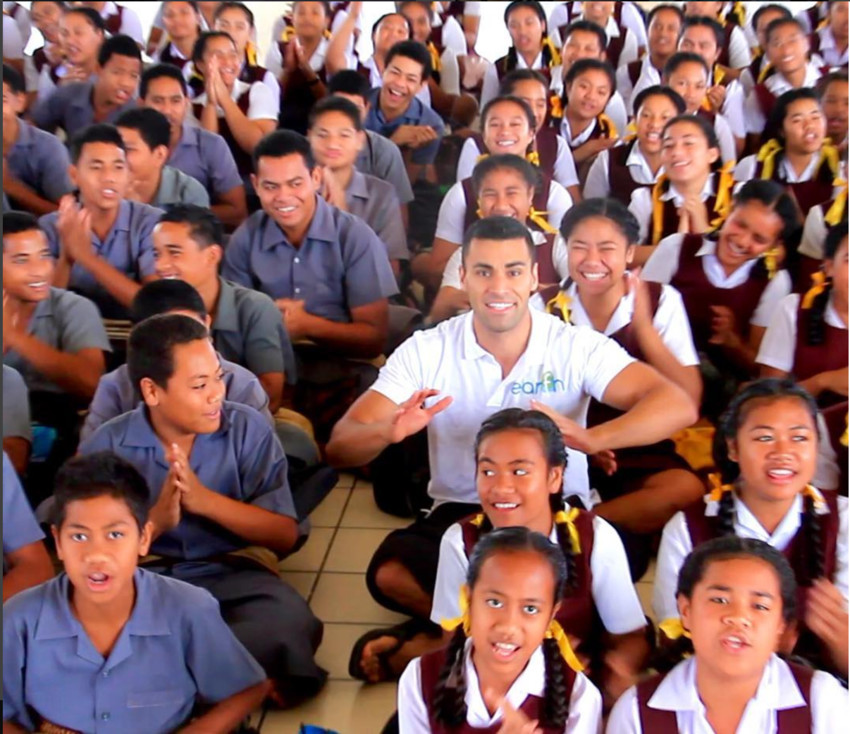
(765, 448)
(509, 664)
(735, 600)
(807, 336)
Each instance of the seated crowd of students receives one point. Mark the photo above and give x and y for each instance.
(570, 310)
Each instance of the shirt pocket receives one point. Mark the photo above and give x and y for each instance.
(150, 699)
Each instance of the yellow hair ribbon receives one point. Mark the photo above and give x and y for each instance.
(767, 155)
(740, 14)
(555, 57)
(568, 519)
(478, 520)
(723, 198)
(838, 209)
(823, 23)
(658, 208)
(539, 218)
(719, 74)
(533, 158)
(816, 496)
(436, 64)
(818, 287)
(718, 489)
(606, 122)
(673, 629)
(251, 54)
(631, 131)
(556, 632)
(843, 440)
(450, 625)
(771, 261)
(556, 107)
(288, 34)
(560, 304)
(481, 157)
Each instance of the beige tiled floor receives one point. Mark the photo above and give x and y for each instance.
(330, 573)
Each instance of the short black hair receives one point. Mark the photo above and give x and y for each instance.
(15, 222)
(510, 80)
(665, 7)
(100, 132)
(606, 208)
(767, 8)
(201, 44)
(158, 71)
(707, 22)
(163, 296)
(13, 78)
(349, 81)
(335, 104)
(587, 26)
(153, 127)
(656, 90)
(502, 161)
(281, 143)
(118, 45)
(532, 4)
(497, 228)
(90, 14)
(205, 228)
(684, 57)
(411, 50)
(101, 474)
(584, 65)
(222, 7)
(778, 23)
(150, 349)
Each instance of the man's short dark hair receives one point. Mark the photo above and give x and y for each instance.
(101, 474)
(201, 44)
(118, 45)
(90, 14)
(411, 50)
(588, 26)
(222, 7)
(158, 71)
(335, 104)
(153, 127)
(707, 22)
(683, 57)
(163, 296)
(281, 143)
(13, 78)
(500, 229)
(98, 133)
(349, 81)
(150, 350)
(205, 228)
(15, 222)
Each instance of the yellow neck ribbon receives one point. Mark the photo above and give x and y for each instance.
(843, 440)
(766, 71)
(556, 107)
(554, 56)
(814, 493)
(607, 125)
(560, 304)
(539, 218)
(567, 518)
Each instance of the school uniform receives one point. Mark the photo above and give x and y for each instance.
(634, 77)
(763, 97)
(39, 160)
(43, 74)
(723, 130)
(16, 407)
(170, 54)
(128, 248)
(789, 699)
(824, 45)
(376, 203)
(755, 73)
(116, 395)
(122, 19)
(71, 107)
(20, 528)
(735, 52)
(175, 187)
(417, 685)
(626, 16)
(22, 19)
(499, 69)
(206, 157)
(812, 17)
(174, 652)
(619, 172)
(832, 465)
(599, 127)
(816, 227)
(251, 73)
(382, 159)
(13, 43)
(615, 109)
(244, 461)
(732, 109)
(416, 114)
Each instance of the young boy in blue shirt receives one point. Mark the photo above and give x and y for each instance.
(107, 646)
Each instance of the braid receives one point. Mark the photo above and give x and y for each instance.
(450, 692)
(811, 526)
(815, 331)
(557, 502)
(760, 269)
(726, 514)
(547, 54)
(511, 60)
(556, 697)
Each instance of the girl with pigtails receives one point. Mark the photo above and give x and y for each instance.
(509, 666)
(766, 448)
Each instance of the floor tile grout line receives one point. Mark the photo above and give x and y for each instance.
(328, 549)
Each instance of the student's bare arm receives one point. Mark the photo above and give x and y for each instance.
(428, 267)
(335, 55)
(449, 302)
(230, 207)
(26, 198)
(28, 566)
(17, 449)
(226, 715)
(364, 337)
(118, 285)
(247, 133)
(832, 381)
(76, 373)
(273, 383)
(624, 658)
(10, 728)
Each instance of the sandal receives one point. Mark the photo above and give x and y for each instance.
(401, 632)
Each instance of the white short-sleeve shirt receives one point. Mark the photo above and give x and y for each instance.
(585, 710)
(450, 221)
(598, 180)
(649, 77)
(563, 366)
(641, 203)
(490, 85)
(815, 230)
(778, 85)
(13, 43)
(613, 592)
(664, 262)
(739, 49)
(131, 25)
(261, 103)
(777, 690)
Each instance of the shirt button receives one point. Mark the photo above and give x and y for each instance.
(297, 260)
(298, 290)
(105, 673)
(105, 716)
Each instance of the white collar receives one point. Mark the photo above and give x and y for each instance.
(831, 316)
(673, 194)
(637, 158)
(176, 52)
(827, 40)
(537, 339)
(621, 317)
(317, 60)
(109, 8)
(807, 174)
(778, 84)
(375, 78)
(574, 142)
(537, 64)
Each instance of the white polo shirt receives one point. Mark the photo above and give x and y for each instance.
(676, 545)
(777, 690)
(562, 366)
(598, 181)
(450, 221)
(585, 710)
(780, 340)
(614, 594)
(664, 263)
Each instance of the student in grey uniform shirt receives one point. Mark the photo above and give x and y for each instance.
(171, 654)
(35, 171)
(75, 106)
(146, 134)
(103, 244)
(218, 480)
(17, 427)
(25, 559)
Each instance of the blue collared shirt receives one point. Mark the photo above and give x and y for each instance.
(128, 248)
(416, 114)
(19, 524)
(376, 203)
(39, 160)
(340, 265)
(204, 156)
(71, 108)
(242, 460)
(16, 405)
(174, 651)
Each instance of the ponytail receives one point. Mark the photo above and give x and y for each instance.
(450, 691)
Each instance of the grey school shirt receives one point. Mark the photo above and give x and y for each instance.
(377, 204)
(16, 406)
(382, 158)
(176, 187)
(71, 107)
(39, 160)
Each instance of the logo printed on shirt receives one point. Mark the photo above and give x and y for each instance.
(547, 383)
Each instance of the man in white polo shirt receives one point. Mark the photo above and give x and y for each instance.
(501, 354)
